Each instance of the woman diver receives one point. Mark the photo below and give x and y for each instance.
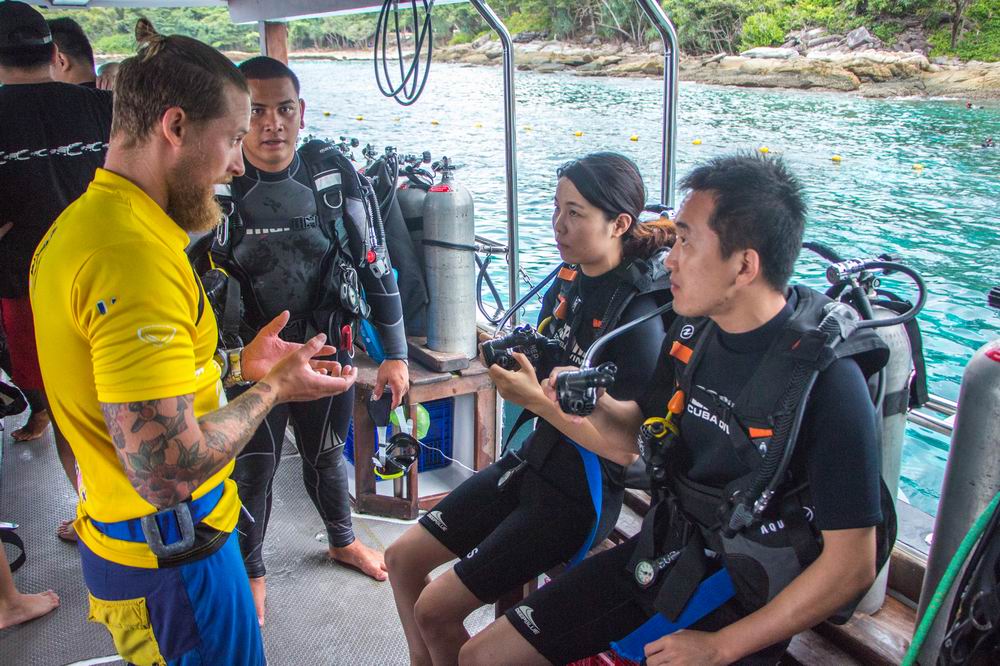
(550, 501)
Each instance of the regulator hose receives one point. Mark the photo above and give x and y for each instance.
(944, 586)
(412, 81)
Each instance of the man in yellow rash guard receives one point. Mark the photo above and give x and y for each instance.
(129, 348)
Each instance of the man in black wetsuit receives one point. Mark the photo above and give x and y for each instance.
(282, 262)
(738, 234)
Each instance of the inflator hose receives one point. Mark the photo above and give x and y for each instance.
(944, 587)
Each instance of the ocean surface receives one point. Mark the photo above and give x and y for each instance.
(942, 218)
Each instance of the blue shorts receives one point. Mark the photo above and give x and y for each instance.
(188, 615)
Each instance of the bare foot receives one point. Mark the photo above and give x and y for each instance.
(24, 607)
(367, 560)
(37, 423)
(66, 531)
(259, 590)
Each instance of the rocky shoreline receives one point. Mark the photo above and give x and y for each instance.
(856, 63)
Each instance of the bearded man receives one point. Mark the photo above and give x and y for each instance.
(129, 349)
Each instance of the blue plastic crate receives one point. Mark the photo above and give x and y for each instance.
(439, 436)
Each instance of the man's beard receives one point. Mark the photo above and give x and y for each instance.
(191, 205)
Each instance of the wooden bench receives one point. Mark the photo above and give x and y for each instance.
(880, 639)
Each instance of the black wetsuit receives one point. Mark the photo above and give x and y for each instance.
(508, 531)
(280, 262)
(582, 611)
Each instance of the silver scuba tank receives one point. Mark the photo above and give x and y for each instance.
(449, 264)
(411, 203)
(896, 377)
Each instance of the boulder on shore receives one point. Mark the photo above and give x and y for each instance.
(770, 52)
(829, 65)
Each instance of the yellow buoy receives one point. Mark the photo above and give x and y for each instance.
(434, 122)
(478, 125)
(326, 113)
(527, 128)
(696, 142)
(836, 158)
(578, 133)
(359, 118)
(396, 119)
(764, 150)
(634, 137)
(918, 167)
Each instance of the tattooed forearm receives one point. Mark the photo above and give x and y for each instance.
(167, 453)
(238, 421)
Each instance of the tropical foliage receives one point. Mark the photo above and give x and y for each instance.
(704, 26)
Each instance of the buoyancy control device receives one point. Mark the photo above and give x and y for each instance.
(343, 197)
(764, 428)
(555, 343)
(449, 263)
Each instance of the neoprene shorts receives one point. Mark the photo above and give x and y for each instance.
(583, 610)
(508, 535)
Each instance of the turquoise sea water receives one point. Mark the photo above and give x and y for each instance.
(944, 219)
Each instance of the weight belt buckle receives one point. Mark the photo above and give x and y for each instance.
(154, 538)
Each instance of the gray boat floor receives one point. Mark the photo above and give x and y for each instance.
(318, 612)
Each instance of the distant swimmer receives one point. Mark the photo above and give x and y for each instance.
(988, 143)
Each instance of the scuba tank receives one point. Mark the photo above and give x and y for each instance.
(449, 264)
(895, 377)
(410, 195)
(900, 384)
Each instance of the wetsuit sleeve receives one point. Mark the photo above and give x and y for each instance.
(635, 353)
(841, 457)
(382, 294)
(387, 311)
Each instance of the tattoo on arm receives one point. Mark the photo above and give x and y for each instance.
(167, 453)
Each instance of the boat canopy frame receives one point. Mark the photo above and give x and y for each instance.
(269, 11)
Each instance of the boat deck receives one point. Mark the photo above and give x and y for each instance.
(318, 612)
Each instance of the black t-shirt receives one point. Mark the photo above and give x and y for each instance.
(837, 450)
(53, 138)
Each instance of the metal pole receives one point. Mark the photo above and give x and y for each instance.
(971, 479)
(510, 153)
(670, 57)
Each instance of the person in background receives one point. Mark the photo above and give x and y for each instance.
(16, 607)
(284, 248)
(74, 61)
(130, 347)
(53, 138)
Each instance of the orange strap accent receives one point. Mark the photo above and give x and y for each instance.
(567, 273)
(676, 404)
(597, 323)
(757, 433)
(561, 309)
(680, 352)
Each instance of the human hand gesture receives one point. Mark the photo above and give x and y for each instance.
(266, 349)
(299, 377)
